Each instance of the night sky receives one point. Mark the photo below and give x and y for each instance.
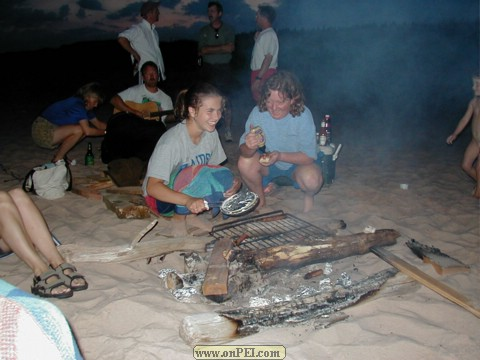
(35, 24)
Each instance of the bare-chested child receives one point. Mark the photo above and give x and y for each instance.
(471, 158)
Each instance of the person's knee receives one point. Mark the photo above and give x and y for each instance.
(310, 181)
(248, 165)
(466, 167)
(17, 193)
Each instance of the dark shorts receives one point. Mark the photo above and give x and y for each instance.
(5, 253)
(160, 207)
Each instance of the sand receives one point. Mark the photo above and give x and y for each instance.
(127, 313)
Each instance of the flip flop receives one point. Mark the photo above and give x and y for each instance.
(41, 288)
(69, 277)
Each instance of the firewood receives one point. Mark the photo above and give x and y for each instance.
(127, 206)
(143, 250)
(227, 325)
(425, 279)
(442, 263)
(299, 254)
(215, 285)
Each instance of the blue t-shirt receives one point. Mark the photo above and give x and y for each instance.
(67, 112)
(290, 134)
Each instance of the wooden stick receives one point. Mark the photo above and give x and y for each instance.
(76, 253)
(425, 279)
(130, 190)
(143, 233)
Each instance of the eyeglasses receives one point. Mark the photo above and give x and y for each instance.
(217, 35)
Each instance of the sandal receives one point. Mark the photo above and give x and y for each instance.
(70, 276)
(41, 288)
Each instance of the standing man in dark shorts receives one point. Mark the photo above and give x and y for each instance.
(216, 44)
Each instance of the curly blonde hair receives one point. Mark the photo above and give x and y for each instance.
(289, 86)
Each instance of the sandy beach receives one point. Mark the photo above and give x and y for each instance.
(127, 313)
(392, 113)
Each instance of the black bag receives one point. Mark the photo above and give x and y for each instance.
(130, 136)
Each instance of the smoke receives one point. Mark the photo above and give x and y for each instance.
(393, 85)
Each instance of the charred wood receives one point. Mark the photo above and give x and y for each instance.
(305, 252)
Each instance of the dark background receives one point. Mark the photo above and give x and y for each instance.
(396, 87)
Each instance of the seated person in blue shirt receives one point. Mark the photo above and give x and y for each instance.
(65, 123)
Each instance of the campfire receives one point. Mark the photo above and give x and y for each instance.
(265, 270)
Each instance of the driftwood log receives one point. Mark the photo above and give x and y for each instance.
(135, 251)
(301, 253)
(148, 249)
(226, 325)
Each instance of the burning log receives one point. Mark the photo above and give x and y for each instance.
(226, 325)
(301, 253)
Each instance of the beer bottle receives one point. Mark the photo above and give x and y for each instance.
(328, 129)
(89, 158)
(323, 134)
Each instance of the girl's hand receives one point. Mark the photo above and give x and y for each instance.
(196, 205)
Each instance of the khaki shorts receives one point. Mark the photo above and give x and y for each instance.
(42, 133)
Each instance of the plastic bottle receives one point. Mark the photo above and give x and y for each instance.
(89, 157)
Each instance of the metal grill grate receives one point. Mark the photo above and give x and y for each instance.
(267, 230)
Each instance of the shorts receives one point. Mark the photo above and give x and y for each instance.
(42, 133)
(277, 175)
(160, 207)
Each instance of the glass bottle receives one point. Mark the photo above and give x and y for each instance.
(322, 141)
(89, 157)
(328, 129)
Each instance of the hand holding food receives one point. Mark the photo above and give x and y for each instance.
(258, 131)
(264, 159)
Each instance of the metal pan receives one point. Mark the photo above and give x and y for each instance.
(236, 205)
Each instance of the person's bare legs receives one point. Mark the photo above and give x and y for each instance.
(21, 218)
(470, 164)
(471, 154)
(477, 188)
(67, 136)
(251, 172)
(309, 178)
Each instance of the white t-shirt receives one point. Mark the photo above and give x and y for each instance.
(144, 39)
(265, 43)
(140, 95)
